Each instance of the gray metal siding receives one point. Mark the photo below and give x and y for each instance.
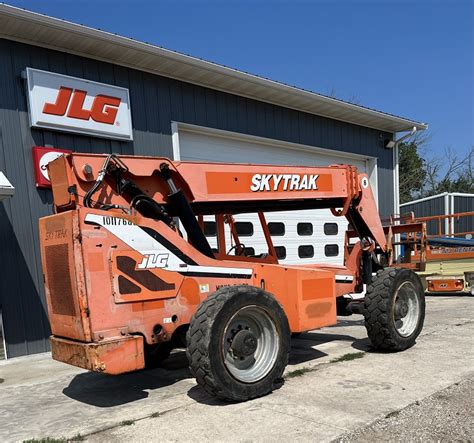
(426, 208)
(435, 206)
(464, 204)
(155, 102)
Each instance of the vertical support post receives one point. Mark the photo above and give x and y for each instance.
(396, 193)
(446, 212)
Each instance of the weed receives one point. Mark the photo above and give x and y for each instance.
(45, 440)
(127, 423)
(299, 372)
(155, 415)
(348, 357)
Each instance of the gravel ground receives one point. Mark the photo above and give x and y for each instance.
(446, 416)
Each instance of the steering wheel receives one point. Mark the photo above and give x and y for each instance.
(237, 245)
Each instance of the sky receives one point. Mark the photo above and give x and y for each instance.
(412, 58)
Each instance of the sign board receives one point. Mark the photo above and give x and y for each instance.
(41, 157)
(71, 104)
(6, 188)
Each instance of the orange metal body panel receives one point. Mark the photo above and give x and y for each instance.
(114, 356)
(64, 275)
(447, 284)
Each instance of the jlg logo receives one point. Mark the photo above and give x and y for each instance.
(70, 102)
(154, 261)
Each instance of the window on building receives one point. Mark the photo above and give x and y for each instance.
(276, 229)
(280, 252)
(244, 229)
(331, 228)
(331, 250)
(210, 229)
(306, 251)
(305, 228)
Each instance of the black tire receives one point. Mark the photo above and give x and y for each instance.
(206, 342)
(156, 354)
(394, 309)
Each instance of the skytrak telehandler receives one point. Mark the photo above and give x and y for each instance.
(129, 273)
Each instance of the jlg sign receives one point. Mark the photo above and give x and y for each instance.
(71, 104)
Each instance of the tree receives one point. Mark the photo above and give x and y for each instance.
(421, 175)
(450, 173)
(412, 171)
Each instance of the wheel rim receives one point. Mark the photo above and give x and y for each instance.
(406, 310)
(250, 344)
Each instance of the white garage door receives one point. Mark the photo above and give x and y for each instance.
(310, 236)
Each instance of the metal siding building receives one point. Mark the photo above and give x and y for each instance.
(443, 204)
(263, 109)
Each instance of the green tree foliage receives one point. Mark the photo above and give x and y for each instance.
(412, 171)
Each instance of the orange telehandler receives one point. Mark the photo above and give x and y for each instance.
(129, 273)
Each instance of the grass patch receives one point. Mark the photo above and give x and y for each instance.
(348, 357)
(77, 437)
(299, 372)
(127, 423)
(45, 440)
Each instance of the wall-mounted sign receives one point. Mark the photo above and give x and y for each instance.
(6, 188)
(41, 157)
(73, 104)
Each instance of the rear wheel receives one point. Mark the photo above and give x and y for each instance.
(238, 343)
(394, 309)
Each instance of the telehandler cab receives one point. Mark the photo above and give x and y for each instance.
(129, 273)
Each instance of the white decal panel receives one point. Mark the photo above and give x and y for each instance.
(156, 255)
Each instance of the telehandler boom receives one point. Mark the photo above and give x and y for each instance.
(129, 273)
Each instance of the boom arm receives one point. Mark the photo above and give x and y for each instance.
(217, 188)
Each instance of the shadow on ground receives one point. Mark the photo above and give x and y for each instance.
(106, 391)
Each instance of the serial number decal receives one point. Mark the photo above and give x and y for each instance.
(116, 221)
(284, 182)
(58, 233)
(154, 261)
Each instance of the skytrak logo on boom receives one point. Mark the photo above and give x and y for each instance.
(104, 108)
(288, 182)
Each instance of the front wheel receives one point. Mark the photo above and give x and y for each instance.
(394, 309)
(238, 343)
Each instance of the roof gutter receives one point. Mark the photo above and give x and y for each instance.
(309, 101)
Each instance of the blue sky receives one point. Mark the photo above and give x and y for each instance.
(412, 58)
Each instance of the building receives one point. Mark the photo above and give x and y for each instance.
(446, 203)
(180, 107)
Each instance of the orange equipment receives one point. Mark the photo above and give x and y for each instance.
(443, 256)
(130, 274)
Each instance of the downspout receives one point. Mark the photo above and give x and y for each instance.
(396, 179)
(394, 144)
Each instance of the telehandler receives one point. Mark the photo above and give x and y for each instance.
(129, 273)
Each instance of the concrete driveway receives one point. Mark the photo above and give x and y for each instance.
(334, 386)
